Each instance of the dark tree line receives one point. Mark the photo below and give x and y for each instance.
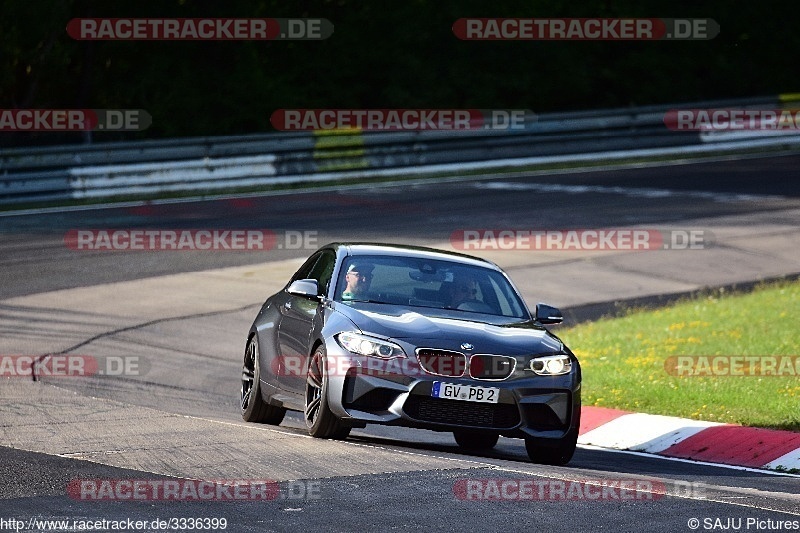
(399, 53)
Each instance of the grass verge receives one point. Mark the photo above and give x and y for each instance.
(628, 361)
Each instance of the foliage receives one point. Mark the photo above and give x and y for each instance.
(382, 54)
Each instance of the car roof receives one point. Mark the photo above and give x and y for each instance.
(399, 250)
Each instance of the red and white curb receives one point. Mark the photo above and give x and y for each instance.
(691, 439)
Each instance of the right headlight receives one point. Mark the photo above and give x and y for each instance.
(551, 365)
(365, 345)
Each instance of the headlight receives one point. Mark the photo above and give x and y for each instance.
(551, 365)
(363, 345)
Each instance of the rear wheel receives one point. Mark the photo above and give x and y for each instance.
(321, 422)
(254, 408)
(475, 440)
(559, 455)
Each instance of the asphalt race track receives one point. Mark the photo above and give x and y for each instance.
(421, 214)
(183, 317)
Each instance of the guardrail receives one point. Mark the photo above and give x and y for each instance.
(214, 164)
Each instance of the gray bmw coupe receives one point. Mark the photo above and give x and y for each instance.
(383, 334)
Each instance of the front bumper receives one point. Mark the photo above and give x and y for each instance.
(399, 393)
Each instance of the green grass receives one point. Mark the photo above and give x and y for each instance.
(623, 359)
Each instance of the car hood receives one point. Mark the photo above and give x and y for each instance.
(448, 329)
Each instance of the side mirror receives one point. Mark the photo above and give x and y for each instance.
(306, 288)
(547, 314)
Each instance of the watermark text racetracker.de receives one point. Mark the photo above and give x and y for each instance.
(71, 365)
(247, 240)
(620, 239)
(199, 29)
(729, 119)
(297, 366)
(732, 365)
(556, 490)
(584, 29)
(401, 119)
(561, 490)
(24, 120)
(193, 490)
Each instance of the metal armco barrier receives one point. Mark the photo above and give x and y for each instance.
(147, 169)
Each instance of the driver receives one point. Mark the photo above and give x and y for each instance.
(358, 278)
(464, 289)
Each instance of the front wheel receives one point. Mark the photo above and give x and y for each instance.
(254, 408)
(321, 422)
(557, 456)
(474, 440)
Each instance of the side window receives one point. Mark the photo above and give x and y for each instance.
(323, 271)
(304, 272)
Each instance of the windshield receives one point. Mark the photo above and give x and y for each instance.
(428, 283)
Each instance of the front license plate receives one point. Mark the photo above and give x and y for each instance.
(466, 393)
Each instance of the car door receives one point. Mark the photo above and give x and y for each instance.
(299, 315)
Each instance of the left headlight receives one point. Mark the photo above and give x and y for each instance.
(365, 345)
(551, 365)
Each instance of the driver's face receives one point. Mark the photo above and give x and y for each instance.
(464, 290)
(467, 289)
(358, 281)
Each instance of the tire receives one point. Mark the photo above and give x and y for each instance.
(557, 456)
(320, 421)
(254, 408)
(475, 440)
